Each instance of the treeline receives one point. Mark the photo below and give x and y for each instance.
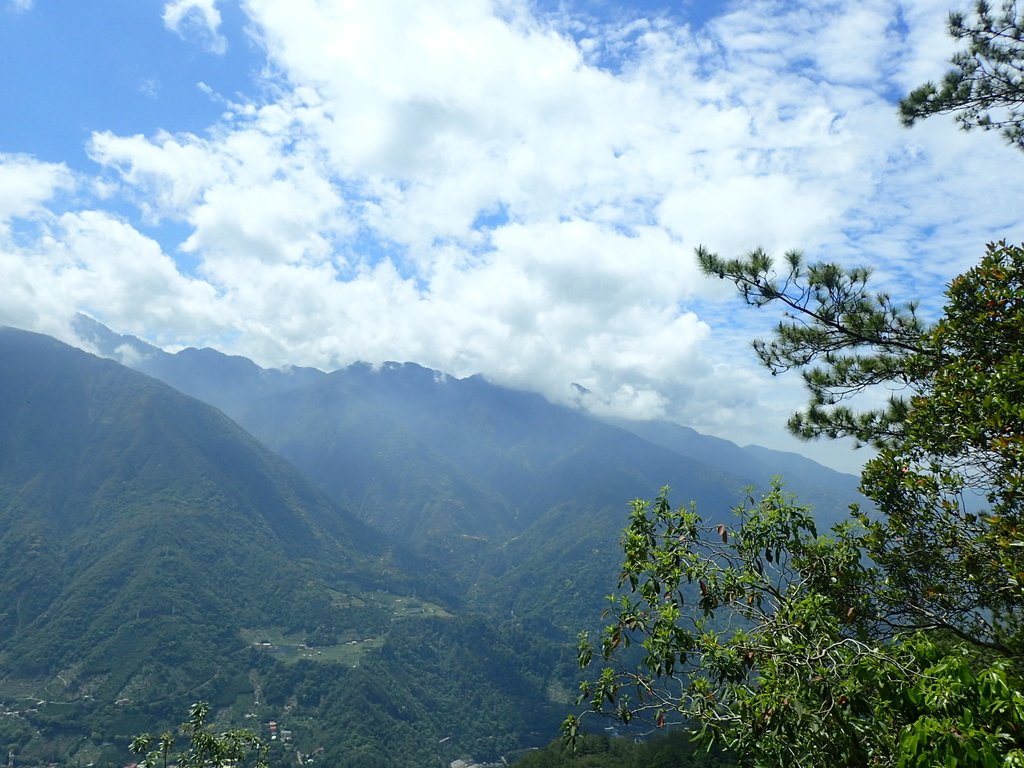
(456, 701)
(675, 749)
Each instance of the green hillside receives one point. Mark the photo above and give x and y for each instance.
(152, 553)
(514, 507)
(519, 501)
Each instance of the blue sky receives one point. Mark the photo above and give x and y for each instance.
(74, 68)
(492, 186)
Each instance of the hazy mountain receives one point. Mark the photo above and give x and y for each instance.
(828, 490)
(101, 467)
(518, 502)
(491, 443)
(515, 494)
(153, 553)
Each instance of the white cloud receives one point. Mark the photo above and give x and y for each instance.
(149, 87)
(196, 17)
(502, 193)
(26, 184)
(91, 261)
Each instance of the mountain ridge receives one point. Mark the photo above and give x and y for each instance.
(488, 518)
(750, 465)
(147, 541)
(488, 481)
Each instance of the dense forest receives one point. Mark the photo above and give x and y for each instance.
(675, 749)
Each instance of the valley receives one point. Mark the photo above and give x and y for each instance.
(390, 564)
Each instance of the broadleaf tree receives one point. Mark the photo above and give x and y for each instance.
(895, 639)
(206, 748)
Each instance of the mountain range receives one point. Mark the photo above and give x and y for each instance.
(391, 560)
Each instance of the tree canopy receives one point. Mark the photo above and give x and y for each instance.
(949, 435)
(985, 85)
(896, 638)
(206, 748)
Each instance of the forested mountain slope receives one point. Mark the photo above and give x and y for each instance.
(504, 509)
(152, 553)
(519, 500)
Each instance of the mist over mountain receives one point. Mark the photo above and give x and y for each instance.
(153, 553)
(385, 558)
(101, 467)
(510, 492)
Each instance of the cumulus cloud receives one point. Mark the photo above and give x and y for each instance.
(108, 269)
(199, 18)
(26, 185)
(519, 195)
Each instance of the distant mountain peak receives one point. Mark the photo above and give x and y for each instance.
(99, 339)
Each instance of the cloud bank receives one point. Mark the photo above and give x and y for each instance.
(480, 187)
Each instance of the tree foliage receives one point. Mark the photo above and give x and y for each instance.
(206, 748)
(895, 639)
(949, 437)
(985, 85)
(672, 749)
(843, 337)
(716, 607)
(951, 487)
